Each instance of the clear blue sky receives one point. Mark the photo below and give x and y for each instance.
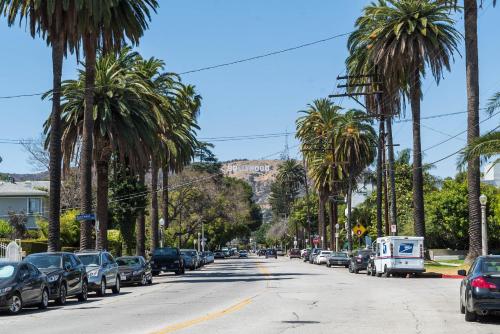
(258, 97)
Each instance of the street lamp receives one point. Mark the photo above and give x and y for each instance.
(484, 228)
(162, 227)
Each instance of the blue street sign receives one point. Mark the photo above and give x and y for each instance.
(85, 216)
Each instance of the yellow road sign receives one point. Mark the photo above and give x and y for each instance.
(359, 230)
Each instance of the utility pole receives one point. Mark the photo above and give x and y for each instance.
(392, 177)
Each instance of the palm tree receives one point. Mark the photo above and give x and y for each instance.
(54, 22)
(355, 144)
(472, 80)
(316, 131)
(121, 124)
(106, 24)
(291, 176)
(416, 35)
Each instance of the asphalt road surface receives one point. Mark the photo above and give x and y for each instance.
(262, 296)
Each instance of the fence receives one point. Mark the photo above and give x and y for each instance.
(11, 251)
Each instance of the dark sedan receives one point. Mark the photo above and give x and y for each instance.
(22, 284)
(359, 260)
(134, 270)
(219, 255)
(65, 272)
(338, 259)
(271, 253)
(480, 289)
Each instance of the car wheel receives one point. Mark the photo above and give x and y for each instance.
(462, 307)
(16, 304)
(156, 273)
(102, 288)
(470, 316)
(368, 271)
(84, 295)
(44, 303)
(374, 271)
(116, 288)
(61, 300)
(144, 280)
(150, 280)
(329, 265)
(350, 269)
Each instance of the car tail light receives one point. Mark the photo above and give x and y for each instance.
(392, 250)
(421, 251)
(481, 283)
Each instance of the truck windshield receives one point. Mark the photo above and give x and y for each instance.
(165, 252)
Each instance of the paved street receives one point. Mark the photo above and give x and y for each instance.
(263, 296)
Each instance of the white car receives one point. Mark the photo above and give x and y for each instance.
(322, 257)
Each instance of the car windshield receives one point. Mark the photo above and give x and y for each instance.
(45, 261)
(6, 271)
(326, 253)
(128, 261)
(337, 254)
(189, 252)
(90, 259)
(165, 252)
(491, 266)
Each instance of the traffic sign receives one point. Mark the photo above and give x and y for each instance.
(359, 229)
(85, 216)
(316, 241)
(394, 228)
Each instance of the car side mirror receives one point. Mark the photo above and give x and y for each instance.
(25, 276)
(67, 267)
(462, 272)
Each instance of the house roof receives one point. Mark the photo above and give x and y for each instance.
(27, 188)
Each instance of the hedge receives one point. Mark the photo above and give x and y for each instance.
(31, 246)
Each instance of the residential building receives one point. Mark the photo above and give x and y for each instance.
(491, 174)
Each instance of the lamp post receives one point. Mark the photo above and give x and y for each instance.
(199, 236)
(484, 228)
(162, 229)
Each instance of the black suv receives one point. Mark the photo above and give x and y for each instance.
(66, 275)
(168, 259)
(359, 260)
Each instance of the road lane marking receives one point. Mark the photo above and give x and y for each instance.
(205, 318)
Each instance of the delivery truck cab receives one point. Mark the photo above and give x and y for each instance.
(398, 255)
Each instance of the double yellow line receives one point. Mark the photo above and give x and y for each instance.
(211, 316)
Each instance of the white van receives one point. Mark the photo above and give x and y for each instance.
(398, 255)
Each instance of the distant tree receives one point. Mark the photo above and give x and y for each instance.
(18, 222)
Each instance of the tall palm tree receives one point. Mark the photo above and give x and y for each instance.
(409, 36)
(54, 22)
(291, 176)
(470, 8)
(107, 24)
(121, 124)
(356, 141)
(316, 131)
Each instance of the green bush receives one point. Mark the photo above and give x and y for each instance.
(115, 242)
(31, 246)
(5, 229)
(70, 229)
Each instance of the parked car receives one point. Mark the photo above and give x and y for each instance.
(338, 259)
(359, 260)
(303, 252)
(294, 253)
(22, 284)
(209, 257)
(134, 270)
(219, 255)
(243, 253)
(262, 252)
(480, 289)
(306, 254)
(314, 252)
(271, 253)
(167, 259)
(102, 271)
(322, 257)
(191, 258)
(66, 275)
(280, 252)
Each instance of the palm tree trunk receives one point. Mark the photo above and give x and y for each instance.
(349, 206)
(87, 142)
(334, 221)
(102, 170)
(154, 205)
(473, 172)
(308, 207)
(140, 232)
(164, 207)
(381, 139)
(53, 242)
(392, 177)
(321, 214)
(418, 179)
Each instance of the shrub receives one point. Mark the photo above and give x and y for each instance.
(5, 229)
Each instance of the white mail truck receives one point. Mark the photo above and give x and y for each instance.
(398, 255)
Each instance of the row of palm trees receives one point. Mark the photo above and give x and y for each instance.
(337, 146)
(120, 107)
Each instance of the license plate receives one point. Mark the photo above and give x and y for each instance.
(163, 268)
(123, 277)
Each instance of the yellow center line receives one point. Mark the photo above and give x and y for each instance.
(208, 317)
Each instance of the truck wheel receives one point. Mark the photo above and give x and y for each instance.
(386, 273)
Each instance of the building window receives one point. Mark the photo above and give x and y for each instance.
(34, 206)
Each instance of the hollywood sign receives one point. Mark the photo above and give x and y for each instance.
(247, 168)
